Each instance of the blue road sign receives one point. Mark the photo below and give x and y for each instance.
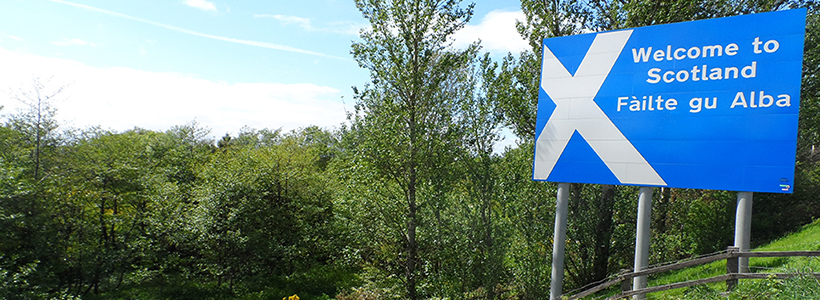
(709, 104)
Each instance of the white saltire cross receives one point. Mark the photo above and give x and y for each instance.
(575, 110)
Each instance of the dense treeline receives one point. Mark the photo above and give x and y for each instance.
(406, 200)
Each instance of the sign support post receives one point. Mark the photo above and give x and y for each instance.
(642, 238)
(559, 241)
(743, 227)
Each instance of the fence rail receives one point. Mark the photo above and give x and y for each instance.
(731, 256)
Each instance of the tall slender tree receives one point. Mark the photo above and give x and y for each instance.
(406, 117)
(36, 120)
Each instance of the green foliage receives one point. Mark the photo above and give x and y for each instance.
(408, 200)
(36, 125)
(151, 215)
(264, 212)
(775, 214)
(407, 132)
(802, 287)
(527, 207)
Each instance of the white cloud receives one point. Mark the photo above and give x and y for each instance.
(124, 98)
(73, 42)
(343, 27)
(348, 27)
(302, 22)
(201, 4)
(496, 31)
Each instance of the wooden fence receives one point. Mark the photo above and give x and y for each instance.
(731, 277)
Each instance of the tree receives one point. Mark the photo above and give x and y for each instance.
(517, 82)
(406, 122)
(775, 214)
(102, 205)
(266, 216)
(482, 120)
(30, 254)
(36, 121)
(527, 209)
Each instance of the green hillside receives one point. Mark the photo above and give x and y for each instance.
(804, 287)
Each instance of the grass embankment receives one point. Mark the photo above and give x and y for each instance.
(803, 287)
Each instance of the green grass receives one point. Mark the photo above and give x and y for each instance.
(805, 287)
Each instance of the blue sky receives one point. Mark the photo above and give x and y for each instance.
(154, 64)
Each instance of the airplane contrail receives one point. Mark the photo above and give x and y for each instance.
(191, 32)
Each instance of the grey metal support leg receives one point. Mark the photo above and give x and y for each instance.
(559, 241)
(743, 227)
(642, 238)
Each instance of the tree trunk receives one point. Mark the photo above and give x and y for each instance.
(412, 248)
(486, 216)
(603, 232)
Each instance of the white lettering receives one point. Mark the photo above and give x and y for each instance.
(695, 104)
(740, 99)
(701, 73)
(653, 75)
(683, 78)
(763, 98)
(659, 100)
(634, 105)
(712, 49)
(717, 74)
(646, 103)
(710, 106)
(774, 45)
(671, 104)
(644, 54)
(695, 72)
(752, 70)
(728, 70)
(731, 49)
(621, 103)
(681, 56)
(784, 100)
(658, 56)
(756, 45)
(693, 54)
(641, 55)
(752, 100)
(668, 80)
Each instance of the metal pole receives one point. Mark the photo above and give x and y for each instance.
(743, 227)
(559, 241)
(642, 238)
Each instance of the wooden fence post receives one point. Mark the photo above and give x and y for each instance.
(626, 285)
(732, 267)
